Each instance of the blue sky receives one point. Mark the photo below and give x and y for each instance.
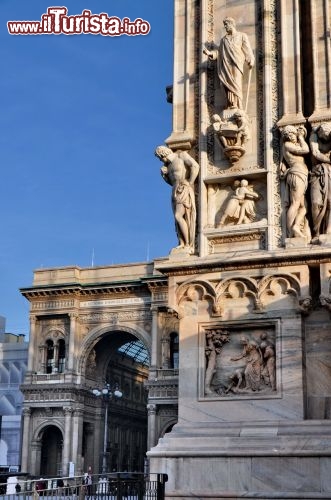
(80, 117)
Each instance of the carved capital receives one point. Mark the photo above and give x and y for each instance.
(151, 409)
(325, 301)
(26, 412)
(67, 410)
(33, 319)
(305, 305)
(73, 315)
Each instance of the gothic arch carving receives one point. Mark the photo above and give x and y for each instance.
(206, 288)
(194, 292)
(278, 285)
(98, 332)
(236, 288)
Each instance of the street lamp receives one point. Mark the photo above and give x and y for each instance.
(108, 392)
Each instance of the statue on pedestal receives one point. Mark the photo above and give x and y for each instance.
(180, 170)
(295, 171)
(320, 191)
(234, 50)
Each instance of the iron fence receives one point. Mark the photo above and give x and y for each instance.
(113, 486)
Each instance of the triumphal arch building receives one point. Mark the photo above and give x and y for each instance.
(228, 337)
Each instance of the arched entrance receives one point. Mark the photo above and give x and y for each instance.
(51, 451)
(118, 426)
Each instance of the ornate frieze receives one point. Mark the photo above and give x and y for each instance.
(52, 304)
(115, 317)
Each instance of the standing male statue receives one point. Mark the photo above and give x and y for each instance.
(180, 170)
(320, 191)
(234, 50)
(295, 171)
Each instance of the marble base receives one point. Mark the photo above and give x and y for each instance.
(324, 240)
(296, 242)
(275, 461)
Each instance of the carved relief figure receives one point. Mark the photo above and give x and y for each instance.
(234, 50)
(180, 170)
(241, 205)
(294, 170)
(269, 358)
(215, 339)
(233, 134)
(320, 144)
(252, 356)
(91, 362)
(255, 368)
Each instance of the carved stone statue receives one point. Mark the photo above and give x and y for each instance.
(234, 50)
(233, 134)
(320, 145)
(180, 170)
(295, 171)
(241, 205)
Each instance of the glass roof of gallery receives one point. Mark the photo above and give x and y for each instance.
(135, 350)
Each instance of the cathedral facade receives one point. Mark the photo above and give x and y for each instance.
(236, 321)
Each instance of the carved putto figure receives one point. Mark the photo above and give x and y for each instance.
(320, 191)
(234, 50)
(180, 170)
(241, 205)
(295, 172)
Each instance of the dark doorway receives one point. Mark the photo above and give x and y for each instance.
(51, 452)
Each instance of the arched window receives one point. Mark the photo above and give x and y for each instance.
(55, 356)
(174, 350)
(49, 356)
(61, 355)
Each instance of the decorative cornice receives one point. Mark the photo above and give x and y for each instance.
(78, 290)
(263, 260)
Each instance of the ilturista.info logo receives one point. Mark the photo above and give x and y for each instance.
(57, 21)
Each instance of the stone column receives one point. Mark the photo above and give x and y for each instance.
(154, 363)
(268, 89)
(32, 342)
(42, 359)
(66, 440)
(34, 458)
(72, 337)
(320, 15)
(151, 438)
(56, 358)
(183, 91)
(76, 439)
(291, 64)
(165, 352)
(26, 414)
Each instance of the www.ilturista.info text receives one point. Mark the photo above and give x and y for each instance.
(56, 22)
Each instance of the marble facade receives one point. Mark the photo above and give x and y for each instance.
(247, 289)
(253, 302)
